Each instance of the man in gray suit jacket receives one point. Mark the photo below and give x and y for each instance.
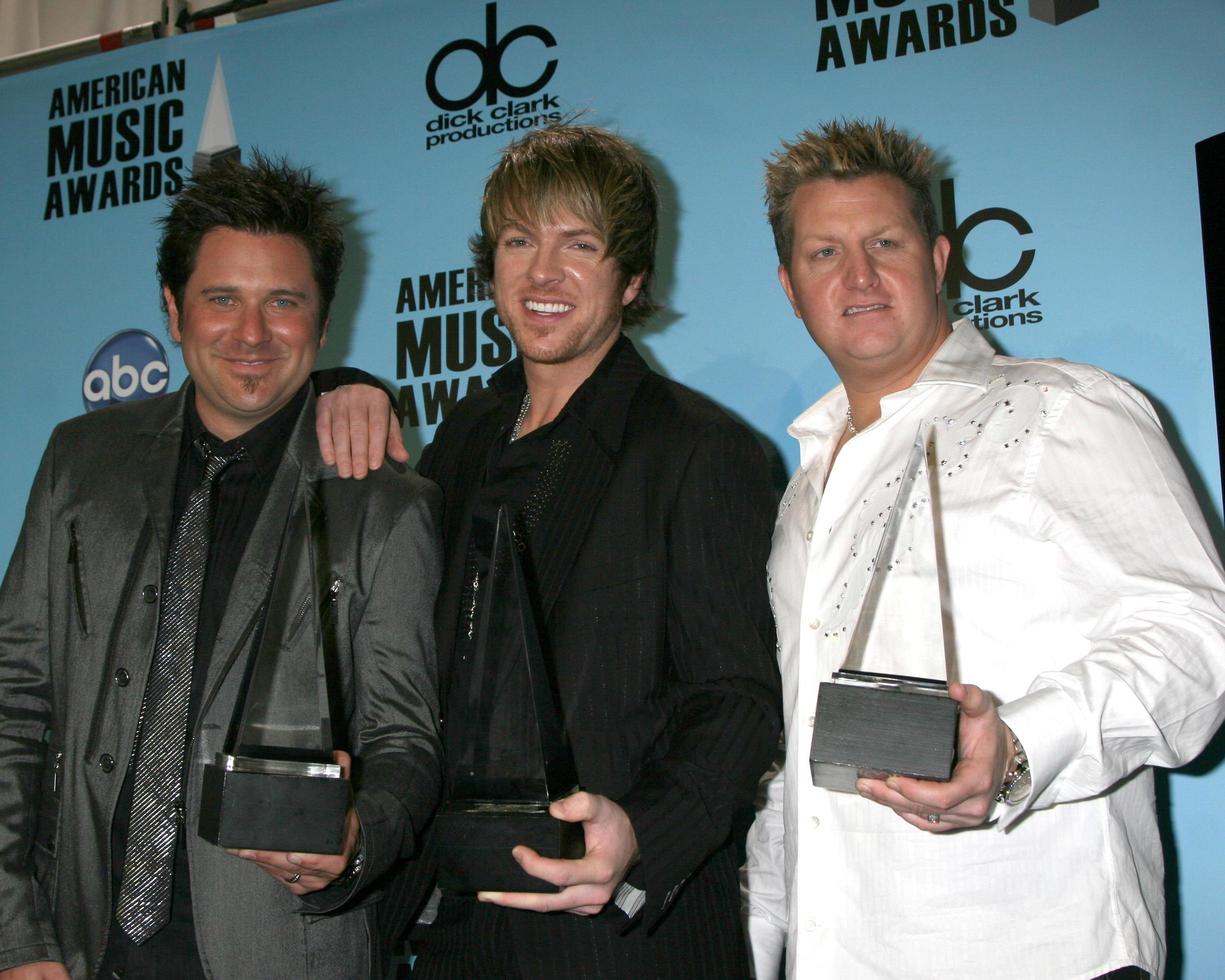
(249, 261)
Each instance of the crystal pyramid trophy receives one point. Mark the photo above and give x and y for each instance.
(875, 724)
(277, 787)
(510, 757)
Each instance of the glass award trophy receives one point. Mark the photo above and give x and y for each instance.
(510, 757)
(874, 724)
(277, 787)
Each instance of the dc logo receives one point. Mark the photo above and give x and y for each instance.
(490, 54)
(958, 272)
(127, 367)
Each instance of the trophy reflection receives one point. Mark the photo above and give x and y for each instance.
(276, 787)
(870, 723)
(510, 755)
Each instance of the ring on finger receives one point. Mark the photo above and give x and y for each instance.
(297, 876)
(933, 818)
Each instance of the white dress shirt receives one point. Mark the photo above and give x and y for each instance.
(1084, 593)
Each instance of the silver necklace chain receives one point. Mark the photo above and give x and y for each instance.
(850, 422)
(527, 403)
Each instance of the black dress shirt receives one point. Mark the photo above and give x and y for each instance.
(490, 731)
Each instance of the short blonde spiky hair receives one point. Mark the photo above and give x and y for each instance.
(592, 173)
(843, 150)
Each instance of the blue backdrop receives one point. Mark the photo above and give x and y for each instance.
(1074, 134)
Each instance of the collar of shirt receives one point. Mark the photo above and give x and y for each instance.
(265, 443)
(963, 359)
(510, 383)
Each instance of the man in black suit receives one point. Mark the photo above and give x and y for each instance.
(644, 515)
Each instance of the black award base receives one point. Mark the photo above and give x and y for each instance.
(876, 725)
(475, 839)
(273, 805)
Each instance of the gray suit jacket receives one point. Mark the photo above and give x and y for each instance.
(78, 617)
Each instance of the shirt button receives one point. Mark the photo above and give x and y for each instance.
(106, 762)
(815, 624)
(816, 821)
(810, 925)
(122, 677)
(149, 593)
(812, 720)
(808, 536)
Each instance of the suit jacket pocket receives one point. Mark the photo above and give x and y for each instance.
(300, 617)
(47, 826)
(327, 610)
(76, 583)
(47, 829)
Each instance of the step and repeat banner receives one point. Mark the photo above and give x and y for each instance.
(1067, 131)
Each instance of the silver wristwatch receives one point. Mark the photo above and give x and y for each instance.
(1017, 780)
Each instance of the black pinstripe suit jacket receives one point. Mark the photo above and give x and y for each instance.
(650, 573)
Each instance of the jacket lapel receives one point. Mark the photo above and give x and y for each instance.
(254, 576)
(561, 530)
(158, 463)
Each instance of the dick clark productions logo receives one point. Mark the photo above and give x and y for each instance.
(490, 54)
(1008, 310)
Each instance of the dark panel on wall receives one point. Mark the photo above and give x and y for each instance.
(1210, 164)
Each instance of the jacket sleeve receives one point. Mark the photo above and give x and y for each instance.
(26, 930)
(394, 734)
(1149, 688)
(720, 640)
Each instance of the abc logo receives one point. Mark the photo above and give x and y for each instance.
(127, 367)
(490, 54)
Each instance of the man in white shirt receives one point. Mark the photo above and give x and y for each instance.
(1085, 598)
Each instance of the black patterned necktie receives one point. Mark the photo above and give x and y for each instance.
(161, 739)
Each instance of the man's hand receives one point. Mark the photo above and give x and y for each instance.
(984, 749)
(589, 882)
(357, 430)
(305, 873)
(42, 970)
